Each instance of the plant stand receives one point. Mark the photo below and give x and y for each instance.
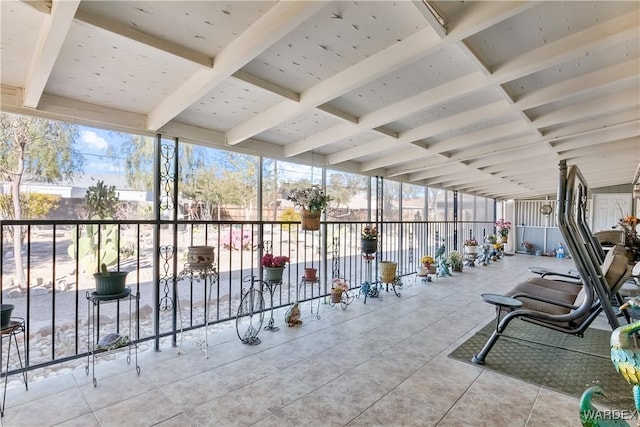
(200, 274)
(94, 346)
(271, 287)
(367, 288)
(314, 284)
(14, 328)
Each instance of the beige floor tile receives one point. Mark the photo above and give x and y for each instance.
(48, 410)
(239, 408)
(109, 391)
(399, 409)
(143, 410)
(553, 408)
(87, 420)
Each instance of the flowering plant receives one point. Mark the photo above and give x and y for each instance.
(454, 258)
(471, 242)
(498, 246)
(369, 232)
(503, 227)
(338, 283)
(312, 198)
(427, 260)
(271, 261)
(631, 239)
(628, 223)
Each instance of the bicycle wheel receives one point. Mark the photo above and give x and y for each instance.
(250, 317)
(346, 299)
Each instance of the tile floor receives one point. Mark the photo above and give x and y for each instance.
(380, 364)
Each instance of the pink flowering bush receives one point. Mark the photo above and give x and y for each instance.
(270, 261)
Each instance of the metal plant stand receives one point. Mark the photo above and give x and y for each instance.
(315, 283)
(14, 328)
(114, 341)
(271, 286)
(207, 275)
(368, 288)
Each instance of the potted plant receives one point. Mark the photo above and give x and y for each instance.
(471, 245)
(502, 228)
(312, 201)
(498, 248)
(428, 266)
(369, 240)
(338, 286)
(274, 266)
(110, 282)
(310, 274)
(455, 260)
(631, 240)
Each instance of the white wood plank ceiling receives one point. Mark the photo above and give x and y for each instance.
(486, 102)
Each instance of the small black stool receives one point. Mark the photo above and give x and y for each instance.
(501, 301)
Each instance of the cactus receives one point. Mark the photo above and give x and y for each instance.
(88, 244)
(97, 244)
(103, 269)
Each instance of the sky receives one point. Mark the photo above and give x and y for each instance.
(93, 145)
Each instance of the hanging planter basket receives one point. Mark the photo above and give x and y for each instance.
(310, 220)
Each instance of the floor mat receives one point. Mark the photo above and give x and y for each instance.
(548, 358)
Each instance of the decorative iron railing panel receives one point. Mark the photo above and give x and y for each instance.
(58, 274)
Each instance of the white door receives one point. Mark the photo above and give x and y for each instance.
(608, 208)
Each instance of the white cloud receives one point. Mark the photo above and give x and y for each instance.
(103, 166)
(93, 140)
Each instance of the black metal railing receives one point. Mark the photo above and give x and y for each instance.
(58, 269)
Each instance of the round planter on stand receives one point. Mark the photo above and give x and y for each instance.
(504, 239)
(472, 250)
(200, 257)
(111, 283)
(388, 271)
(369, 246)
(310, 274)
(310, 220)
(273, 274)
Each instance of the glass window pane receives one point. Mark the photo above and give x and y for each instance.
(349, 193)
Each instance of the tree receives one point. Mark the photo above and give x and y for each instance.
(222, 178)
(138, 150)
(34, 149)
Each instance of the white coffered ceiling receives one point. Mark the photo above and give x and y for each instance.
(487, 104)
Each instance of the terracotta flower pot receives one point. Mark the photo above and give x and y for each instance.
(310, 274)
